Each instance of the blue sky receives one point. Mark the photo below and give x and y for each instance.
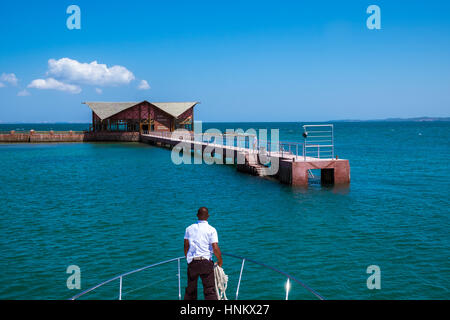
(244, 60)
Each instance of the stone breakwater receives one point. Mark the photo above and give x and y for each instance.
(66, 136)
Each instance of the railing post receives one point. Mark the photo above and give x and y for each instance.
(120, 288)
(239, 282)
(288, 287)
(332, 141)
(179, 280)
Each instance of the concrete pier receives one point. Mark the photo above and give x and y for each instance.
(293, 169)
(333, 171)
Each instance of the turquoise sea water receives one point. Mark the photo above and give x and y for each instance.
(113, 207)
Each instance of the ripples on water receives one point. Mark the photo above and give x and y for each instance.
(113, 207)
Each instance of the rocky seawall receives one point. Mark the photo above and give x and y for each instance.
(66, 136)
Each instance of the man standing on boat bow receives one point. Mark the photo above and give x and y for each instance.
(200, 242)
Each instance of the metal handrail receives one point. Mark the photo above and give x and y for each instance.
(309, 148)
(121, 276)
(276, 270)
(284, 147)
(244, 259)
(314, 139)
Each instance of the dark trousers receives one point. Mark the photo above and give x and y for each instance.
(204, 269)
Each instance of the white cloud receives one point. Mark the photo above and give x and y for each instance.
(9, 78)
(2, 85)
(52, 84)
(23, 93)
(98, 90)
(93, 73)
(143, 85)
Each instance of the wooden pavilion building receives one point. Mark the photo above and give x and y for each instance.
(141, 116)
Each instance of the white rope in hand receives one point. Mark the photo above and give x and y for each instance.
(221, 280)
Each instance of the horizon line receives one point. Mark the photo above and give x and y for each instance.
(430, 118)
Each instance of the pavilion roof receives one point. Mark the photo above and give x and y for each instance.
(107, 109)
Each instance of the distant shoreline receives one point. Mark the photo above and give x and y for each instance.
(416, 119)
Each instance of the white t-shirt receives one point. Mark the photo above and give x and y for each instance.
(201, 236)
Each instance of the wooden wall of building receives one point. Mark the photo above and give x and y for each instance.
(145, 112)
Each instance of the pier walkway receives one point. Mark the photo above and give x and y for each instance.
(289, 162)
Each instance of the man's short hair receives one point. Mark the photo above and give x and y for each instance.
(202, 213)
